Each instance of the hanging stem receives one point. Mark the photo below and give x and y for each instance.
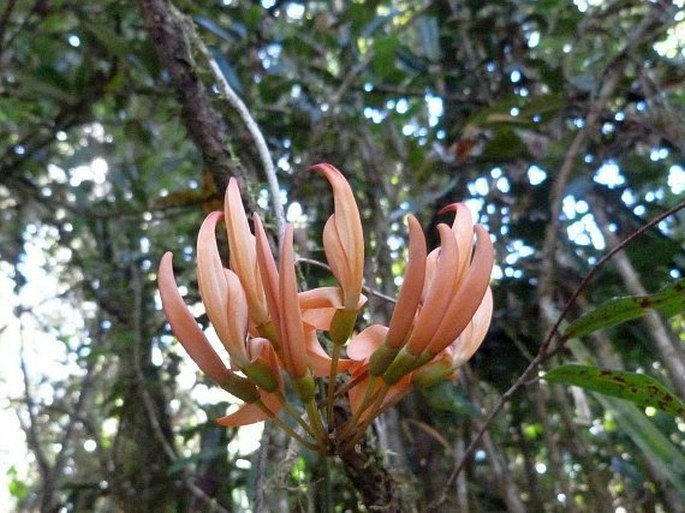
(331, 384)
(298, 418)
(285, 427)
(315, 419)
(354, 436)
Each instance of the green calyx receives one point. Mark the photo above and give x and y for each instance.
(342, 326)
(242, 388)
(261, 375)
(381, 359)
(404, 363)
(305, 388)
(268, 331)
(431, 374)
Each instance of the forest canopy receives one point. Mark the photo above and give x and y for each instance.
(555, 126)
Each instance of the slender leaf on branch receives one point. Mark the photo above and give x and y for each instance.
(640, 389)
(669, 301)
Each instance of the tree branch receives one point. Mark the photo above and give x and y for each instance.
(168, 30)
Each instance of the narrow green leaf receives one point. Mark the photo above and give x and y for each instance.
(667, 457)
(656, 446)
(107, 38)
(669, 301)
(446, 396)
(640, 389)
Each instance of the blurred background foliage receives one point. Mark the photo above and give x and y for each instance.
(559, 122)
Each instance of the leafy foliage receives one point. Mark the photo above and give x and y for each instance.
(670, 301)
(637, 388)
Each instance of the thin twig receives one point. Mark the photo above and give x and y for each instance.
(260, 142)
(368, 290)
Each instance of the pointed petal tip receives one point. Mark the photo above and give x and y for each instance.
(332, 173)
(452, 207)
(245, 415)
(323, 167)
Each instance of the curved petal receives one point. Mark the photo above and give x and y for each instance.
(318, 359)
(243, 253)
(471, 338)
(463, 231)
(320, 304)
(319, 318)
(469, 296)
(251, 413)
(412, 288)
(438, 297)
(185, 326)
(348, 231)
(238, 318)
(267, 269)
(210, 276)
(321, 297)
(221, 292)
(335, 254)
(365, 343)
(292, 328)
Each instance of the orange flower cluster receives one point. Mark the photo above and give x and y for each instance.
(272, 331)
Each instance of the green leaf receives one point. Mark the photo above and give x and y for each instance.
(47, 82)
(640, 389)
(654, 444)
(384, 63)
(107, 38)
(669, 301)
(446, 396)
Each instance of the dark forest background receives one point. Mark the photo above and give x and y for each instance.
(560, 123)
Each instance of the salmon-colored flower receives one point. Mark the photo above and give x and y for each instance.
(446, 364)
(269, 327)
(292, 327)
(243, 254)
(343, 238)
(222, 294)
(295, 315)
(437, 302)
(259, 404)
(186, 328)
